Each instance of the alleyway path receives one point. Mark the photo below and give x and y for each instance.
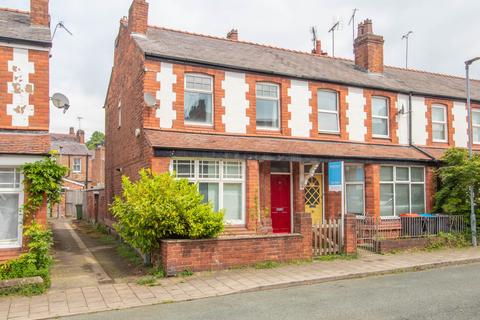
(104, 297)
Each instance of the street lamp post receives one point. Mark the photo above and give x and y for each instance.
(473, 220)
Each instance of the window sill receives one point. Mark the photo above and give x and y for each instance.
(333, 133)
(199, 125)
(381, 137)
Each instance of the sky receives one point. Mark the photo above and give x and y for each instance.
(445, 34)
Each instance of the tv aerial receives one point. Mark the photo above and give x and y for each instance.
(352, 22)
(405, 37)
(61, 25)
(150, 100)
(337, 26)
(313, 31)
(60, 101)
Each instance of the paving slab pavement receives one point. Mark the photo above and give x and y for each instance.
(103, 297)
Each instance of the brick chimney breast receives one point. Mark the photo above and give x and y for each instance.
(138, 17)
(233, 35)
(318, 49)
(39, 15)
(72, 131)
(368, 48)
(81, 136)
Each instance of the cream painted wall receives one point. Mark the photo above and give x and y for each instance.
(299, 108)
(235, 103)
(402, 119)
(166, 95)
(419, 121)
(356, 114)
(460, 124)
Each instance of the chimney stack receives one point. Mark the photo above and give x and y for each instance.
(72, 131)
(318, 49)
(39, 13)
(81, 136)
(368, 48)
(138, 17)
(233, 35)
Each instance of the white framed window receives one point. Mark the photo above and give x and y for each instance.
(402, 190)
(221, 182)
(328, 119)
(380, 117)
(354, 189)
(198, 100)
(476, 126)
(77, 165)
(268, 106)
(439, 123)
(11, 201)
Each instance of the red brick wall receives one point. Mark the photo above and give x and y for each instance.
(372, 190)
(97, 168)
(393, 124)
(96, 206)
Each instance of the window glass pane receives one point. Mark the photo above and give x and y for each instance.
(402, 174)
(267, 113)
(438, 131)
(308, 167)
(9, 216)
(354, 198)
(279, 166)
(386, 174)
(418, 200)
(417, 174)
(327, 100)
(210, 193)
(476, 134)
(476, 117)
(354, 173)
(380, 126)
(7, 178)
(198, 107)
(184, 168)
(232, 170)
(198, 83)
(328, 121)
(438, 114)
(232, 201)
(208, 169)
(379, 107)
(386, 200)
(402, 199)
(266, 90)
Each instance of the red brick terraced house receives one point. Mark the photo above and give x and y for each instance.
(25, 44)
(257, 128)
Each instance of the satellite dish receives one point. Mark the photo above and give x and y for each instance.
(150, 100)
(60, 101)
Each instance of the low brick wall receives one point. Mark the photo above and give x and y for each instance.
(389, 245)
(222, 253)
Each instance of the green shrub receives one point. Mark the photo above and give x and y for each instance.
(36, 262)
(448, 240)
(161, 207)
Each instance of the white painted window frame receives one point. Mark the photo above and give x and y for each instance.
(444, 122)
(337, 112)
(77, 167)
(387, 117)
(409, 183)
(362, 183)
(15, 243)
(475, 126)
(221, 180)
(257, 96)
(186, 90)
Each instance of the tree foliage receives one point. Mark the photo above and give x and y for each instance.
(161, 207)
(97, 138)
(456, 175)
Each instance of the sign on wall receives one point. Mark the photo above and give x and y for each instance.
(335, 176)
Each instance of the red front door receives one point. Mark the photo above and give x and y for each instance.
(280, 203)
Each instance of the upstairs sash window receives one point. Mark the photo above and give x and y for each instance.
(198, 100)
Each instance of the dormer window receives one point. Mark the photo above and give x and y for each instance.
(268, 106)
(198, 99)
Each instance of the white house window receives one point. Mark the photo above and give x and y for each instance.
(77, 165)
(476, 125)
(11, 200)
(198, 100)
(380, 117)
(328, 120)
(439, 123)
(268, 106)
(402, 190)
(221, 182)
(354, 188)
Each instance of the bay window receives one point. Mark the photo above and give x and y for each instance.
(221, 182)
(439, 123)
(268, 106)
(354, 188)
(476, 125)
(11, 200)
(198, 101)
(380, 117)
(328, 111)
(402, 190)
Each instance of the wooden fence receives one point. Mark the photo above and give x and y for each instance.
(327, 237)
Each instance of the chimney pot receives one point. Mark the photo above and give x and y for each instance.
(368, 48)
(138, 17)
(72, 130)
(39, 15)
(318, 49)
(81, 136)
(233, 35)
